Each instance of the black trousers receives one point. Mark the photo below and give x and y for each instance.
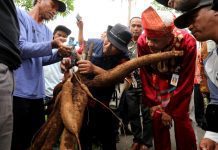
(212, 117)
(130, 111)
(199, 106)
(28, 118)
(98, 128)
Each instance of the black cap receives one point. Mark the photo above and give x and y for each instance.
(61, 6)
(184, 6)
(185, 19)
(163, 2)
(120, 36)
(62, 28)
(215, 5)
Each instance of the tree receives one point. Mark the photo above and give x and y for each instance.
(27, 4)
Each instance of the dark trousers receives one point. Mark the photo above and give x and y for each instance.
(200, 106)
(131, 103)
(28, 118)
(212, 117)
(98, 128)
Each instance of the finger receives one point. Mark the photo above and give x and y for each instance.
(81, 62)
(63, 39)
(82, 66)
(82, 69)
(83, 72)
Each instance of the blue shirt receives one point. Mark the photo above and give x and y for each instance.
(210, 64)
(36, 51)
(106, 63)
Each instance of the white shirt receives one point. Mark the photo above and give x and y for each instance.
(212, 136)
(52, 76)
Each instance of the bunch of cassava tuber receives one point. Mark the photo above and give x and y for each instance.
(71, 97)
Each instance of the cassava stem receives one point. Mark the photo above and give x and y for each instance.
(121, 71)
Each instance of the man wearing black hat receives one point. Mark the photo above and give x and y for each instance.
(202, 21)
(36, 43)
(98, 123)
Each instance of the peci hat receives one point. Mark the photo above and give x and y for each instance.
(185, 19)
(62, 28)
(120, 36)
(61, 5)
(157, 24)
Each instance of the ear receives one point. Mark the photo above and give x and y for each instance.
(215, 13)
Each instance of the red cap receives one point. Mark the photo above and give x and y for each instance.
(153, 24)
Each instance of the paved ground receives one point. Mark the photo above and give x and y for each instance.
(125, 142)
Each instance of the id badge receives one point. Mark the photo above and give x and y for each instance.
(174, 80)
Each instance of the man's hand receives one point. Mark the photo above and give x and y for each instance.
(64, 51)
(166, 119)
(80, 24)
(65, 65)
(58, 42)
(207, 144)
(155, 108)
(85, 66)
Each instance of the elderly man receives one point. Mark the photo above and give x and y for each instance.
(168, 85)
(202, 22)
(36, 44)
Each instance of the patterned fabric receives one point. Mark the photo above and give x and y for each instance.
(176, 102)
(154, 25)
(182, 94)
(203, 82)
(136, 80)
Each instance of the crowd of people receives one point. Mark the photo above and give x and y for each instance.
(150, 100)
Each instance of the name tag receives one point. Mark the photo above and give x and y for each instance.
(174, 80)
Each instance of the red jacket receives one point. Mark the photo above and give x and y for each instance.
(154, 82)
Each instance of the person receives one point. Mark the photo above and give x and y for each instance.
(168, 85)
(201, 21)
(36, 44)
(136, 114)
(9, 61)
(98, 124)
(181, 5)
(52, 73)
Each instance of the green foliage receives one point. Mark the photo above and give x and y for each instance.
(28, 4)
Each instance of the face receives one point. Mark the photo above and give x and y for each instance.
(109, 49)
(202, 23)
(182, 5)
(158, 44)
(136, 27)
(103, 35)
(47, 9)
(60, 34)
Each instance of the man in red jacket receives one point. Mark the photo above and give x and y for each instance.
(168, 85)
